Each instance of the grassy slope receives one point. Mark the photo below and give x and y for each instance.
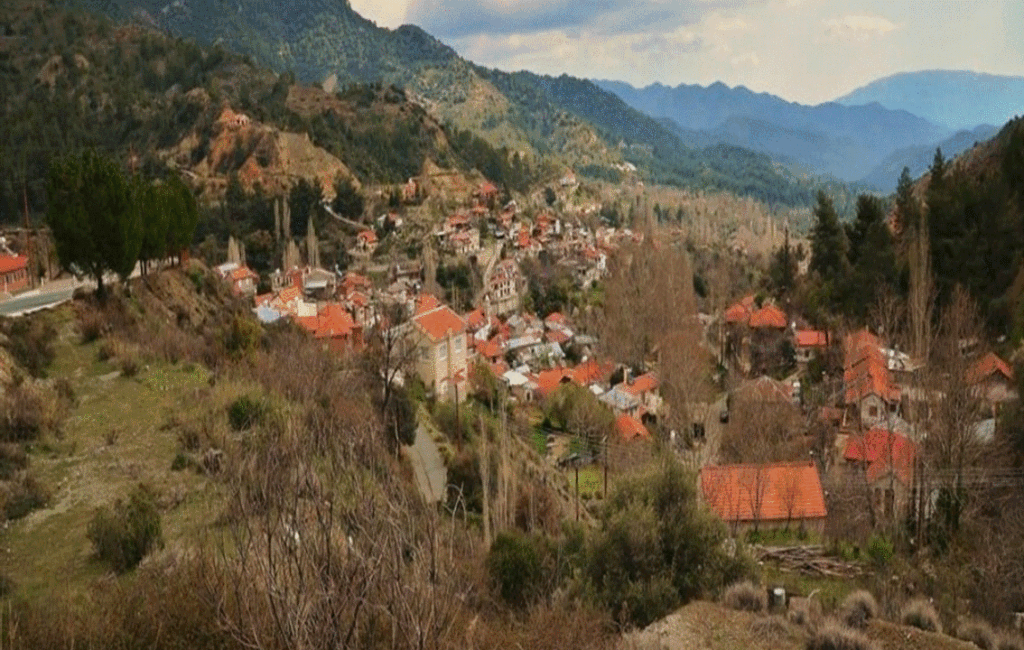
(112, 440)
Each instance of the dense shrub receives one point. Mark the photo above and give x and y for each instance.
(246, 412)
(921, 614)
(745, 596)
(12, 459)
(127, 533)
(833, 636)
(22, 495)
(515, 566)
(30, 341)
(858, 608)
(657, 548)
(979, 633)
(880, 550)
(29, 411)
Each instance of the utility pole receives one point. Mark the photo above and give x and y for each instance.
(605, 493)
(576, 465)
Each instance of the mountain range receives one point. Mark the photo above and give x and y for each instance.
(867, 143)
(955, 99)
(552, 122)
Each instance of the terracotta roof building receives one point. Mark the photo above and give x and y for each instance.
(765, 496)
(13, 273)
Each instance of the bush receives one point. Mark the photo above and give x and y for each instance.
(921, 614)
(745, 596)
(246, 412)
(123, 536)
(180, 462)
(28, 412)
(858, 608)
(30, 342)
(12, 459)
(833, 636)
(515, 567)
(880, 550)
(22, 495)
(979, 633)
(656, 548)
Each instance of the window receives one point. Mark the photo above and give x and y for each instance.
(459, 342)
(873, 411)
(442, 351)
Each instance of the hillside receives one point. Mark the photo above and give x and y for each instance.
(975, 225)
(552, 122)
(844, 141)
(70, 80)
(956, 99)
(917, 159)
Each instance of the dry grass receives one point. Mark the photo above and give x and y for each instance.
(858, 608)
(921, 614)
(745, 596)
(835, 636)
(979, 633)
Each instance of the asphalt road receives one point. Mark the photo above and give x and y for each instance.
(49, 295)
(428, 466)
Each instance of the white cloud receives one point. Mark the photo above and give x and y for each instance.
(386, 13)
(750, 59)
(858, 28)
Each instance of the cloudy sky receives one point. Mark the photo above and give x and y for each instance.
(803, 50)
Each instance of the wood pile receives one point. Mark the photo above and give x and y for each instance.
(807, 560)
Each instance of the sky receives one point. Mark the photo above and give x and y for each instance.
(809, 51)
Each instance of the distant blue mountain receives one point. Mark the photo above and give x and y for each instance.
(918, 159)
(843, 141)
(956, 99)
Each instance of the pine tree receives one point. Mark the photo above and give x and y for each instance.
(96, 227)
(828, 242)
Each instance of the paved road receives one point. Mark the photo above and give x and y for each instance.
(427, 464)
(49, 295)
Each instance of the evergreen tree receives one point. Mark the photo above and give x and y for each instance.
(828, 242)
(304, 200)
(95, 226)
(182, 215)
(348, 202)
(783, 269)
(148, 199)
(872, 254)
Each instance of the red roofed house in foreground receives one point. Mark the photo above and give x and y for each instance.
(439, 335)
(808, 343)
(13, 273)
(887, 460)
(335, 327)
(765, 496)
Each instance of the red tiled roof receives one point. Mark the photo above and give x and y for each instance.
(489, 349)
(775, 492)
(879, 449)
(289, 294)
(630, 429)
(367, 236)
(769, 316)
(645, 383)
(439, 322)
(548, 381)
(740, 311)
(263, 299)
(426, 302)
(590, 372)
(556, 318)
(556, 336)
(989, 365)
(10, 263)
(865, 370)
(242, 273)
(476, 319)
(811, 339)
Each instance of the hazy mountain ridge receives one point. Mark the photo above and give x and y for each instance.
(844, 141)
(957, 99)
(917, 159)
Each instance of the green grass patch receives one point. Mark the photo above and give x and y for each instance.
(591, 481)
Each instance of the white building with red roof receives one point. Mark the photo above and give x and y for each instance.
(13, 273)
(439, 336)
